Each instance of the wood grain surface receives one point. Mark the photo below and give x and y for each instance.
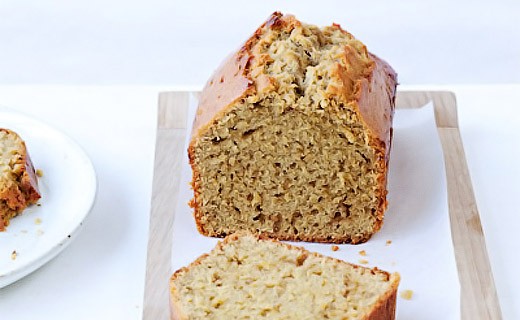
(479, 299)
(171, 133)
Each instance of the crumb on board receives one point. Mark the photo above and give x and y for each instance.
(14, 254)
(362, 253)
(406, 294)
(335, 248)
(37, 221)
(363, 261)
(388, 242)
(39, 173)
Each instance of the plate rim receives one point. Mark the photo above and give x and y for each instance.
(48, 253)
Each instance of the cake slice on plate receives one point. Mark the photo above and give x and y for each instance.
(18, 181)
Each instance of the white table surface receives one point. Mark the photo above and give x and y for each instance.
(101, 274)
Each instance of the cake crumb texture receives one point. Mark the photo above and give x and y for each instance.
(292, 137)
(18, 181)
(246, 277)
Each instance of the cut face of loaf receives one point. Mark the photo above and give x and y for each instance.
(245, 277)
(292, 137)
(18, 182)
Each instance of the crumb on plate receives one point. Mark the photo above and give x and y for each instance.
(388, 242)
(39, 173)
(363, 261)
(362, 253)
(335, 248)
(37, 221)
(14, 254)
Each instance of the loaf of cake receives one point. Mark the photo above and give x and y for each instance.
(18, 182)
(247, 277)
(292, 137)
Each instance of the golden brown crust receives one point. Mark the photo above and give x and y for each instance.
(376, 102)
(16, 195)
(373, 96)
(29, 182)
(385, 307)
(229, 83)
(232, 80)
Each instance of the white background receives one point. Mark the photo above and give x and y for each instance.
(176, 42)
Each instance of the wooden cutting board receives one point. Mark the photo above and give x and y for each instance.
(478, 293)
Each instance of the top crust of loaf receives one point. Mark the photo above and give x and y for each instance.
(233, 81)
(18, 184)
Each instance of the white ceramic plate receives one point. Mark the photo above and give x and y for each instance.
(68, 188)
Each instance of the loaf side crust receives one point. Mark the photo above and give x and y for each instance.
(385, 307)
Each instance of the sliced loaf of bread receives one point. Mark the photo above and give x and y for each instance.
(248, 277)
(292, 137)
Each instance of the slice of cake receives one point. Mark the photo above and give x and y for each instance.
(292, 137)
(18, 182)
(246, 277)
